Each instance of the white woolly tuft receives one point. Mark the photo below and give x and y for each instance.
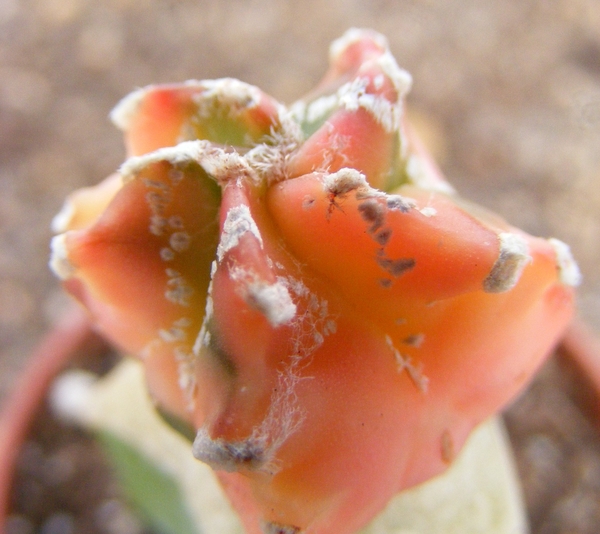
(238, 222)
(59, 258)
(273, 301)
(185, 152)
(568, 270)
(512, 259)
(344, 181)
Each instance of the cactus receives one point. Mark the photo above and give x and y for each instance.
(312, 302)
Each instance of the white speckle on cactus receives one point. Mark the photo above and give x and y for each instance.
(167, 254)
(238, 222)
(157, 200)
(203, 338)
(172, 273)
(186, 374)
(157, 224)
(568, 270)
(273, 301)
(512, 258)
(178, 335)
(172, 334)
(428, 211)
(59, 259)
(175, 175)
(180, 241)
(178, 291)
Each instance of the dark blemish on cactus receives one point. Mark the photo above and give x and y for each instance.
(228, 456)
(399, 203)
(396, 267)
(512, 258)
(415, 340)
(308, 202)
(333, 204)
(373, 213)
(383, 236)
(447, 447)
(269, 527)
(385, 282)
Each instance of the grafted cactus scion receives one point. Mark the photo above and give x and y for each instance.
(308, 295)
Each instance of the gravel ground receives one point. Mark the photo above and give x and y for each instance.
(507, 92)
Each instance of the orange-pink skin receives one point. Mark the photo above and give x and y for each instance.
(340, 141)
(164, 117)
(121, 279)
(367, 428)
(379, 432)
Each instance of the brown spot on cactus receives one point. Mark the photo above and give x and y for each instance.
(228, 456)
(414, 340)
(512, 258)
(383, 236)
(373, 213)
(396, 267)
(278, 528)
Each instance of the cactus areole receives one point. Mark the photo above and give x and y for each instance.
(310, 298)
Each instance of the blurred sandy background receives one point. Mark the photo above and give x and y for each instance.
(508, 92)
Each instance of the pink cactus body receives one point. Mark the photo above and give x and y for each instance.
(306, 291)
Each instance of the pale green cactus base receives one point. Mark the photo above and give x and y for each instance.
(479, 494)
